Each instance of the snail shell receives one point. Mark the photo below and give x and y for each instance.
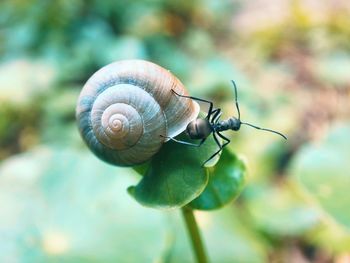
(124, 108)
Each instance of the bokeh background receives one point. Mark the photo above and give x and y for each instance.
(291, 61)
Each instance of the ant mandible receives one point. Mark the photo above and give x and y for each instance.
(201, 128)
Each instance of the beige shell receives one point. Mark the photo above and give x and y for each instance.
(126, 106)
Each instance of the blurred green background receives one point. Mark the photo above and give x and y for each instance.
(291, 61)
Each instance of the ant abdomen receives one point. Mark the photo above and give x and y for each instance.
(199, 129)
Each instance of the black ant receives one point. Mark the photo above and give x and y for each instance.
(202, 128)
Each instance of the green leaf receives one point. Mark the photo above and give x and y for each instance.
(175, 175)
(226, 181)
(323, 171)
(141, 169)
(278, 211)
(63, 205)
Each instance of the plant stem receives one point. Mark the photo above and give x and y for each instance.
(193, 231)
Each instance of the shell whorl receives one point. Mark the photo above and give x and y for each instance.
(126, 106)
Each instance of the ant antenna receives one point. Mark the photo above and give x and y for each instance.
(263, 129)
(236, 98)
(251, 125)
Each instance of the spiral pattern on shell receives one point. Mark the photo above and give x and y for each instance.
(126, 106)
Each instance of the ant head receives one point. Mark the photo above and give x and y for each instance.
(235, 124)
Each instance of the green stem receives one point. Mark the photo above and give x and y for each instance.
(193, 231)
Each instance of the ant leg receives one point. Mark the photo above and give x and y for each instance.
(210, 111)
(216, 117)
(218, 143)
(223, 137)
(214, 114)
(185, 143)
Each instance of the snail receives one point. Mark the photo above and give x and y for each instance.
(125, 107)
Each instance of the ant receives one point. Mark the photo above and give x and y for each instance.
(201, 128)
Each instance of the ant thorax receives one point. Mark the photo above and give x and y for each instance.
(229, 124)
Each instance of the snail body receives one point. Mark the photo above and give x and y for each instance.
(127, 109)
